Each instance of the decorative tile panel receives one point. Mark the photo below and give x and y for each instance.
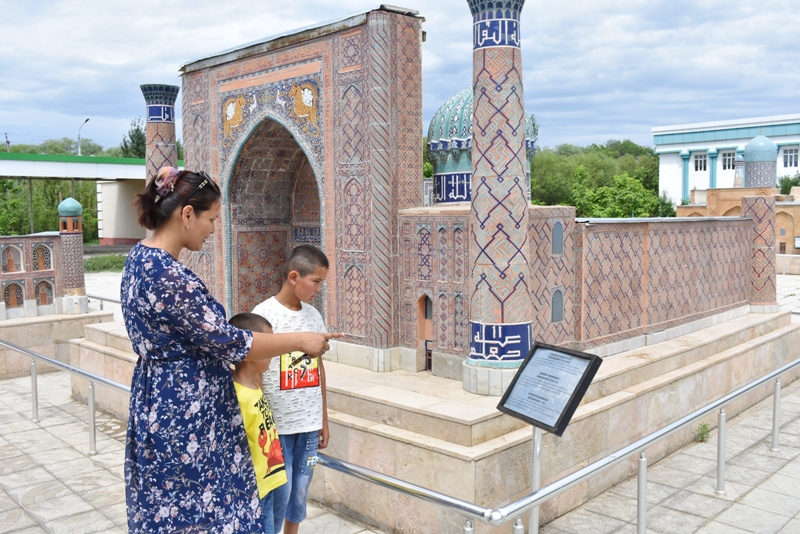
(257, 268)
(762, 266)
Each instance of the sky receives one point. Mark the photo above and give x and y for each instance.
(593, 70)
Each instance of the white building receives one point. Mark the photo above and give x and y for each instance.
(702, 155)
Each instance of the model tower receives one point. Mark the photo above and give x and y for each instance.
(160, 129)
(70, 216)
(500, 302)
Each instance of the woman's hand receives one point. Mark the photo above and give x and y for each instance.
(315, 344)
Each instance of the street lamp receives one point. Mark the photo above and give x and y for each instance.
(79, 136)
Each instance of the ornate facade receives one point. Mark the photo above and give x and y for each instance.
(315, 138)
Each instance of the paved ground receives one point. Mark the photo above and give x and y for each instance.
(49, 484)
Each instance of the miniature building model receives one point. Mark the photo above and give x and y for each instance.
(314, 138)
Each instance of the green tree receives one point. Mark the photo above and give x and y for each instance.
(10, 208)
(627, 197)
(551, 178)
(427, 166)
(134, 143)
(786, 183)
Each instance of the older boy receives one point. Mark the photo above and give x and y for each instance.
(295, 383)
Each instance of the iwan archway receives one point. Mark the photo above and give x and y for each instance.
(314, 137)
(273, 205)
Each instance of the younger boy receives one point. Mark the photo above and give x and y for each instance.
(259, 424)
(294, 384)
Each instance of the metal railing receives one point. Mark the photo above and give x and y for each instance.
(103, 299)
(474, 512)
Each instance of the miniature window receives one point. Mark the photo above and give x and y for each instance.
(557, 314)
(790, 157)
(700, 162)
(782, 248)
(12, 295)
(42, 258)
(12, 260)
(728, 160)
(44, 293)
(558, 239)
(783, 232)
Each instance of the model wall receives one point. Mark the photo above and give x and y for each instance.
(649, 275)
(593, 283)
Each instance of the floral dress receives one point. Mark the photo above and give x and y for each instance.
(187, 461)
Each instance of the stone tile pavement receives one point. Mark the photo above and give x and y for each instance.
(48, 483)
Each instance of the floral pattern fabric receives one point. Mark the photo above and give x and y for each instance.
(187, 462)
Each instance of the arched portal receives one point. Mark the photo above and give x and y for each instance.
(274, 206)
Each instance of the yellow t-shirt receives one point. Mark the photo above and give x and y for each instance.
(262, 436)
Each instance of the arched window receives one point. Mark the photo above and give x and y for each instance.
(557, 313)
(12, 295)
(44, 293)
(12, 259)
(42, 258)
(558, 238)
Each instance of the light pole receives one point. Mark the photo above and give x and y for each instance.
(79, 135)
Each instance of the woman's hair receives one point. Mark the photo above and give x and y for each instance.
(171, 190)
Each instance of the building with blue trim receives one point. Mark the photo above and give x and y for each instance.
(703, 155)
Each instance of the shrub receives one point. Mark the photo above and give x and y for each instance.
(106, 262)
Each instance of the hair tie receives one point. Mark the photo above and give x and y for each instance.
(165, 181)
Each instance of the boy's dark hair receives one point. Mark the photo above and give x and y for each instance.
(250, 321)
(305, 259)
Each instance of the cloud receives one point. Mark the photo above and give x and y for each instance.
(592, 70)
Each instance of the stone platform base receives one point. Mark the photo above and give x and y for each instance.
(428, 431)
(48, 335)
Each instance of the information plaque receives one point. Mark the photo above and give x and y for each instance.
(549, 385)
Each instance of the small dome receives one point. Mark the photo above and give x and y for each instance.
(69, 207)
(760, 149)
(451, 126)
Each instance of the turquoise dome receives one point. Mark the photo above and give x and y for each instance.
(760, 149)
(69, 207)
(451, 125)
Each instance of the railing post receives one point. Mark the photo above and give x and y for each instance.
(34, 393)
(518, 527)
(776, 416)
(641, 497)
(92, 437)
(721, 453)
(469, 528)
(536, 477)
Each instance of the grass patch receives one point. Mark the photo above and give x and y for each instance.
(104, 263)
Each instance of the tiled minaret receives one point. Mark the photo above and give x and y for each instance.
(500, 304)
(160, 128)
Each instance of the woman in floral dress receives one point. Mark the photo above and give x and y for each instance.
(187, 462)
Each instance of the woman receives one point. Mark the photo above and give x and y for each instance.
(187, 461)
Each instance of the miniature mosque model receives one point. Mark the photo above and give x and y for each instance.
(314, 137)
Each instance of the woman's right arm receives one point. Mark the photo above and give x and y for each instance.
(267, 346)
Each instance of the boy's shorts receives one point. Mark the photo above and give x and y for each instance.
(300, 455)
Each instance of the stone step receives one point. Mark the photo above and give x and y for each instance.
(439, 408)
(626, 369)
(111, 335)
(107, 361)
(426, 404)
